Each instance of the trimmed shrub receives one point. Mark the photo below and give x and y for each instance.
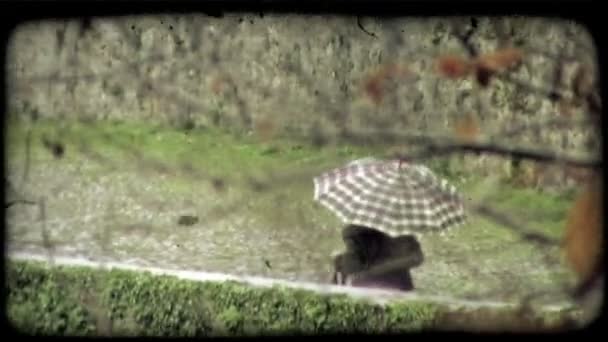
(82, 301)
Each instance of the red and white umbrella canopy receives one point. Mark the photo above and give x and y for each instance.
(392, 196)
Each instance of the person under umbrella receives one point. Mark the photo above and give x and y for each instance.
(382, 203)
(374, 259)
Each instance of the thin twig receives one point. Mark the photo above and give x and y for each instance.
(465, 38)
(11, 189)
(28, 156)
(434, 150)
(554, 95)
(19, 201)
(512, 224)
(444, 145)
(552, 123)
(46, 242)
(363, 28)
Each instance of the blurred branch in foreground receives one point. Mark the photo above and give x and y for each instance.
(433, 146)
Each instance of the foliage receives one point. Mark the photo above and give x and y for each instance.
(50, 301)
(79, 301)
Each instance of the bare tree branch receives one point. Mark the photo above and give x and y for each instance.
(552, 94)
(465, 37)
(46, 241)
(28, 156)
(518, 227)
(19, 201)
(552, 122)
(371, 34)
(434, 146)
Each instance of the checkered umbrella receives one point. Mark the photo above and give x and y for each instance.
(392, 196)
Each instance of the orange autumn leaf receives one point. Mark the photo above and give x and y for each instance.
(374, 90)
(583, 237)
(500, 60)
(467, 128)
(374, 83)
(264, 129)
(219, 83)
(565, 108)
(453, 67)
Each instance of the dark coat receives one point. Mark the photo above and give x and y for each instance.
(374, 259)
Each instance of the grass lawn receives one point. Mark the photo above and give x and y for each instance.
(118, 190)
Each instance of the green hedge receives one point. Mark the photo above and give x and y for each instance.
(83, 301)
